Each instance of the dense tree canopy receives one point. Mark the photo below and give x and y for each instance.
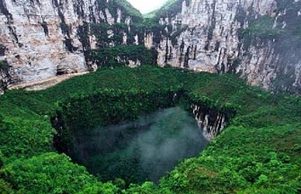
(259, 152)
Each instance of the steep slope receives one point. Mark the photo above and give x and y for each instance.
(260, 40)
(42, 39)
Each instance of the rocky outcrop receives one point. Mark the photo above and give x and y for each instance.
(129, 62)
(260, 40)
(5, 78)
(43, 39)
(211, 122)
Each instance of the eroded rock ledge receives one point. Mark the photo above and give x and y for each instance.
(44, 39)
(259, 40)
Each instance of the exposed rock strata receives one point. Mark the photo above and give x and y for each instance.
(43, 39)
(210, 121)
(208, 35)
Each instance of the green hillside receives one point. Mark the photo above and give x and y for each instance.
(259, 151)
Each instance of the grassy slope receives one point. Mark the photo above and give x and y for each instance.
(258, 152)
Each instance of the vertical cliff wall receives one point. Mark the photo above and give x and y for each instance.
(260, 40)
(43, 39)
(212, 122)
(5, 76)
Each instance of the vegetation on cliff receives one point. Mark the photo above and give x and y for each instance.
(119, 55)
(258, 152)
(3, 66)
(129, 9)
(169, 9)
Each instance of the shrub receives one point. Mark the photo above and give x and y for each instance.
(51, 173)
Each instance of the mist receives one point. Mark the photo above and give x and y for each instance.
(145, 149)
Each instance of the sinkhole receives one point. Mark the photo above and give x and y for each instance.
(144, 149)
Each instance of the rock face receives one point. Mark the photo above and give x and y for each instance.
(260, 40)
(210, 121)
(42, 39)
(4, 77)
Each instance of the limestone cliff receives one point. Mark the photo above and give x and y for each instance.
(5, 76)
(211, 122)
(260, 40)
(43, 39)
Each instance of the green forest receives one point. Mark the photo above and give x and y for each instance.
(258, 152)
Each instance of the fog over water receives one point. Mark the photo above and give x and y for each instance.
(145, 149)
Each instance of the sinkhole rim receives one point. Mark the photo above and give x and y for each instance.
(192, 112)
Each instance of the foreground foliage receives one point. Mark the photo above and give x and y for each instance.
(259, 152)
(51, 173)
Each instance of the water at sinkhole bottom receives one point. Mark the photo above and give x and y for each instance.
(141, 150)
